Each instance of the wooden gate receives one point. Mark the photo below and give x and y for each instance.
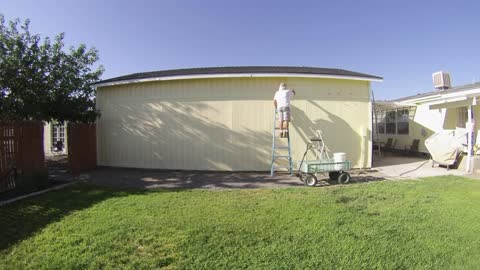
(82, 146)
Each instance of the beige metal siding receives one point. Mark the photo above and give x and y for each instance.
(226, 124)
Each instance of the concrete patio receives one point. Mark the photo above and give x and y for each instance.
(397, 167)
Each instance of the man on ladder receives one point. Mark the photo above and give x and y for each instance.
(281, 101)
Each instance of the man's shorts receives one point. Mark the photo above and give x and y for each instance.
(284, 113)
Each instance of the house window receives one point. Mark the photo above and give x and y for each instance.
(380, 122)
(390, 122)
(58, 136)
(393, 122)
(402, 121)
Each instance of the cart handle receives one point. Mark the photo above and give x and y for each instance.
(309, 145)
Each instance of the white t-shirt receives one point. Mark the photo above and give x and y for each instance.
(283, 96)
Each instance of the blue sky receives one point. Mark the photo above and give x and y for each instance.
(402, 41)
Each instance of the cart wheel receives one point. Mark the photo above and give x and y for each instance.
(344, 178)
(310, 180)
(333, 175)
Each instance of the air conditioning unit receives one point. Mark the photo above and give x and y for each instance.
(441, 80)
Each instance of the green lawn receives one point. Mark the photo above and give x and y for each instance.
(429, 224)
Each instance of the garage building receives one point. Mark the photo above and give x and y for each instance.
(222, 118)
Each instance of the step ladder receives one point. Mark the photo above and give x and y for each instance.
(280, 148)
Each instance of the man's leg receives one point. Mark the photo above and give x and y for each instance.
(280, 122)
(285, 128)
(282, 129)
(287, 119)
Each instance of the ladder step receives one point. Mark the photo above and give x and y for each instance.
(281, 147)
(282, 157)
(282, 167)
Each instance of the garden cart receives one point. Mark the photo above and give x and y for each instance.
(335, 167)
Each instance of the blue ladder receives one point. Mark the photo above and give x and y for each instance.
(275, 147)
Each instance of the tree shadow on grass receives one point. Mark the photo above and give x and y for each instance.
(22, 219)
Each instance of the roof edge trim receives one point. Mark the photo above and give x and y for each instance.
(441, 96)
(237, 75)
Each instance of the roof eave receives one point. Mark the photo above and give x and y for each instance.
(444, 96)
(237, 75)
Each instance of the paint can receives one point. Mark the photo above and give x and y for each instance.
(339, 157)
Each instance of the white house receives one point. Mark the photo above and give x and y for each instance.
(419, 116)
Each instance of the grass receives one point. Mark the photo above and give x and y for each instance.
(428, 224)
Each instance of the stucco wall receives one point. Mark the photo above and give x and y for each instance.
(226, 124)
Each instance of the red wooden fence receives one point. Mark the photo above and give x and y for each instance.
(82, 146)
(21, 150)
(9, 145)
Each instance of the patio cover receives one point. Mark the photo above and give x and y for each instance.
(390, 105)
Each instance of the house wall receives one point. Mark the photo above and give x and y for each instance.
(226, 123)
(47, 138)
(426, 122)
(422, 124)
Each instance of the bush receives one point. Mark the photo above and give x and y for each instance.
(32, 182)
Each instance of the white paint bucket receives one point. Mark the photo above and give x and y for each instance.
(339, 157)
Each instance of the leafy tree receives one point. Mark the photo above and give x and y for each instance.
(41, 80)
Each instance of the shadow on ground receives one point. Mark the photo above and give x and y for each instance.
(147, 179)
(58, 169)
(24, 218)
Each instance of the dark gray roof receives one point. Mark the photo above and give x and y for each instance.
(239, 70)
(436, 92)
